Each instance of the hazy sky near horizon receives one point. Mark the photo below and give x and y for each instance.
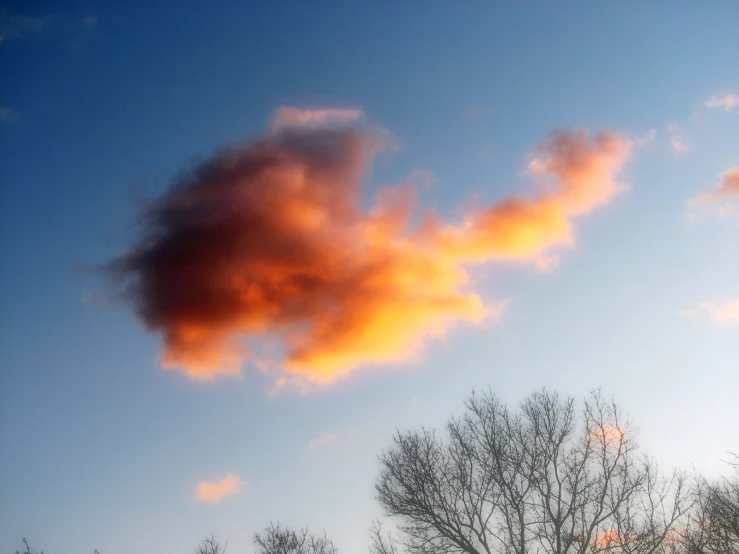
(338, 219)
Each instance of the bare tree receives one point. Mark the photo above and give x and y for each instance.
(211, 546)
(713, 526)
(539, 480)
(27, 548)
(283, 540)
(382, 542)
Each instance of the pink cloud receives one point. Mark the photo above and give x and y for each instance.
(213, 492)
(728, 102)
(678, 140)
(475, 114)
(323, 440)
(721, 201)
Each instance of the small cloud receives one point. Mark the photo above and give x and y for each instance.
(646, 138)
(7, 115)
(18, 26)
(422, 177)
(609, 434)
(323, 440)
(22, 26)
(476, 114)
(721, 201)
(726, 312)
(546, 264)
(415, 402)
(89, 21)
(486, 152)
(292, 383)
(290, 117)
(213, 492)
(483, 153)
(678, 140)
(728, 102)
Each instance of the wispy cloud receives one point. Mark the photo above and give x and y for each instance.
(678, 140)
(722, 200)
(724, 312)
(728, 102)
(213, 492)
(8, 115)
(333, 437)
(645, 139)
(23, 26)
(287, 116)
(15, 26)
(323, 440)
(476, 114)
(270, 241)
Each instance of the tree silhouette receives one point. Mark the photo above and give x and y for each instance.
(27, 549)
(544, 479)
(211, 546)
(283, 540)
(714, 522)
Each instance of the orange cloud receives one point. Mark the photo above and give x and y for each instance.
(612, 538)
(721, 201)
(270, 242)
(214, 492)
(610, 435)
(728, 102)
(576, 173)
(728, 312)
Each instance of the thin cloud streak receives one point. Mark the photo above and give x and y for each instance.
(721, 201)
(15, 26)
(287, 116)
(728, 102)
(323, 440)
(22, 26)
(267, 242)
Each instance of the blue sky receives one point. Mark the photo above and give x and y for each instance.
(103, 106)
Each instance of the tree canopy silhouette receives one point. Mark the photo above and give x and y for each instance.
(713, 526)
(283, 540)
(546, 478)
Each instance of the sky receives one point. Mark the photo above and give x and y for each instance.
(243, 243)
